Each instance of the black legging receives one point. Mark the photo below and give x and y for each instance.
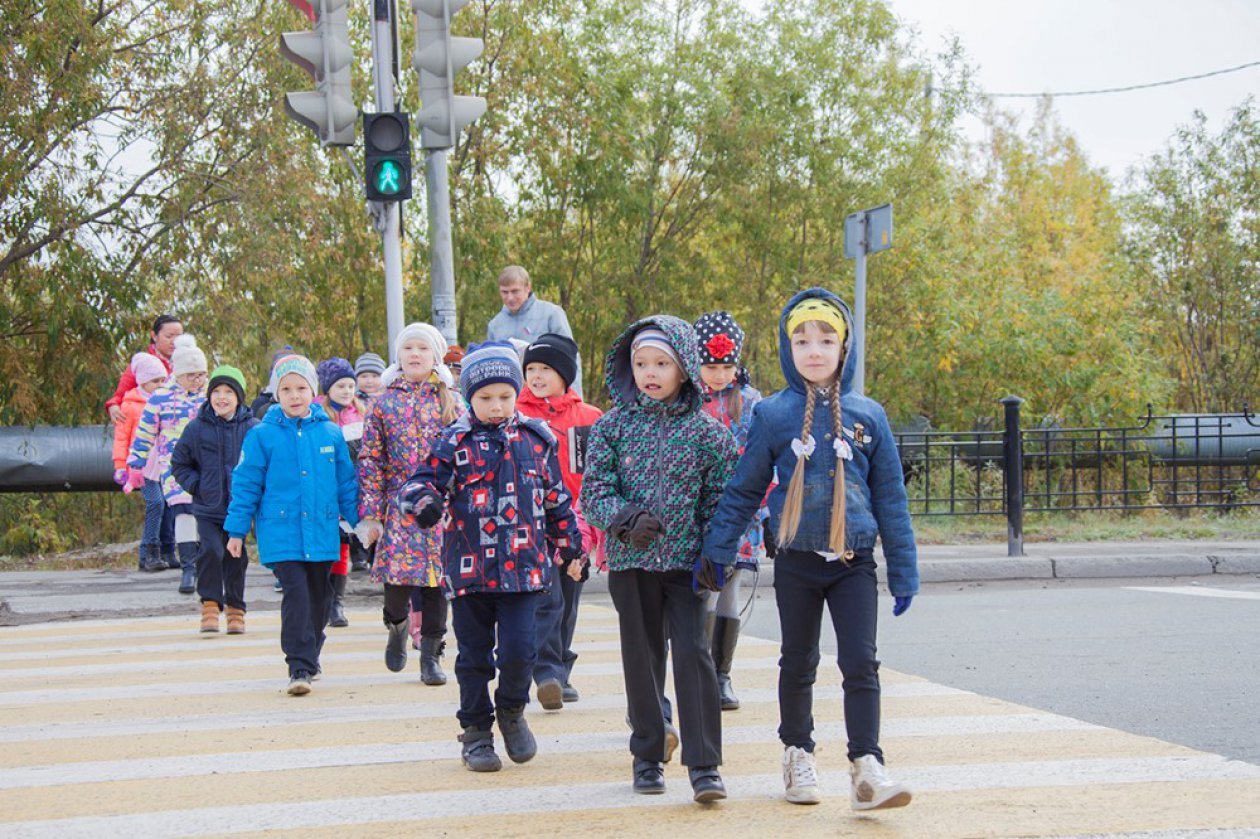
(432, 604)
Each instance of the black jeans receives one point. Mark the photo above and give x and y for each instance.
(652, 606)
(220, 576)
(476, 618)
(803, 583)
(572, 590)
(431, 603)
(303, 612)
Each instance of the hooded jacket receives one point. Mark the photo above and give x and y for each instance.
(125, 431)
(165, 415)
(875, 492)
(205, 456)
(505, 502)
(294, 479)
(127, 381)
(670, 459)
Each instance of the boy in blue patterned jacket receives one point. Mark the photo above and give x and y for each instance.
(507, 512)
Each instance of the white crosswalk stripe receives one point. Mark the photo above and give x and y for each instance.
(135, 705)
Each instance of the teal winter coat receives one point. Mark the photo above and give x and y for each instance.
(293, 482)
(670, 459)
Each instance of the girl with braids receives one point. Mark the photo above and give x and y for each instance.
(840, 487)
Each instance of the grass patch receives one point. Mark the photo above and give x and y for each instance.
(1112, 526)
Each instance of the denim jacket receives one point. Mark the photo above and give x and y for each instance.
(875, 492)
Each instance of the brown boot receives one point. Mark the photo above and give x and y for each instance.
(209, 616)
(235, 621)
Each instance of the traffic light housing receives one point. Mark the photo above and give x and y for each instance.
(387, 156)
(438, 57)
(324, 53)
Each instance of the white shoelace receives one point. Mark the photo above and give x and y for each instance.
(802, 770)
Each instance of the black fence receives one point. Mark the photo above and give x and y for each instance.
(1174, 461)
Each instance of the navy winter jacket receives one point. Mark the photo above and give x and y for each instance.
(507, 508)
(205, 456)
(875, 491)
(294, 479)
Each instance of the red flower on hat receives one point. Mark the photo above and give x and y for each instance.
(720, 345)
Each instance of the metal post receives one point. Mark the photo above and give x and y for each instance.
(441, 259)
(859, 313)
(1013, 460)
(383, 41)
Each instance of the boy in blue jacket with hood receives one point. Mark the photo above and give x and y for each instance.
(203, 460)
(294, 479)
(840, 486)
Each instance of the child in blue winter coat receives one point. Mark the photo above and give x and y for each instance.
(507, 513)
(294, 479)
(840, 487)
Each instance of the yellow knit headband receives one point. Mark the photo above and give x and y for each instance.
(820, 310)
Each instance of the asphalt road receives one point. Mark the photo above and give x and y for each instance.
(1174, 659)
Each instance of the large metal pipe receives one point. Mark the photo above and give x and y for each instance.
(57, 459)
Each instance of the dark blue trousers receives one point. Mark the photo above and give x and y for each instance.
(303, 612)
(568, 621)
(804, 582)
(477, 619)
(557, 623)
(220, 576)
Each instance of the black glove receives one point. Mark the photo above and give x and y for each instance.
(636, 527)
(426, 507)
(769, 541)
(707, 575)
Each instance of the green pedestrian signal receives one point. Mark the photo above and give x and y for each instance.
(388, 177)
(387, 156)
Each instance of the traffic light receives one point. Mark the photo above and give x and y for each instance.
(438, 57)
(387, 156)
(325, 54)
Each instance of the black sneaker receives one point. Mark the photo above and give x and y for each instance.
(649, 777)
(300, 684)
(569, 693)
(706, 784)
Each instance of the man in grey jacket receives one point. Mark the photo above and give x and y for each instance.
(525, 317)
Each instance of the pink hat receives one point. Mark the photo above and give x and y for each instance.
(147, 367)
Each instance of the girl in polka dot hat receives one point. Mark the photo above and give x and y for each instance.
(730, 398)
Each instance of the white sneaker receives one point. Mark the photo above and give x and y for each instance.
(872, 788)
(800, 776)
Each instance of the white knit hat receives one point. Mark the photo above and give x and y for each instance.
(187, 357)
(430, 335)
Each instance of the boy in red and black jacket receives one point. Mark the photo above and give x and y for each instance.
(551, 364)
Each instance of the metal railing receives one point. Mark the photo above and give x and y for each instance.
(1173, 461)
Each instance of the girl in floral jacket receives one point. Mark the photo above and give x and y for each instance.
(169, 409)
(402, 425)
(655, 470)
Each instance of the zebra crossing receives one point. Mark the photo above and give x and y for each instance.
(142, 727)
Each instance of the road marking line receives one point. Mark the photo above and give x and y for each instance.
(1199, 591)
(432, 808)
(417, 711)
(283, 760)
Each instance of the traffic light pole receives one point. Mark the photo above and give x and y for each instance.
(441, 258)
(388, 213)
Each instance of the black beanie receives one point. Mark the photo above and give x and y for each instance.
(558, 352)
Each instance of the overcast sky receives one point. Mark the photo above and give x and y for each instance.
(1031, 46)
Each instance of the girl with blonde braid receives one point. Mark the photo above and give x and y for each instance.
(840, 487)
